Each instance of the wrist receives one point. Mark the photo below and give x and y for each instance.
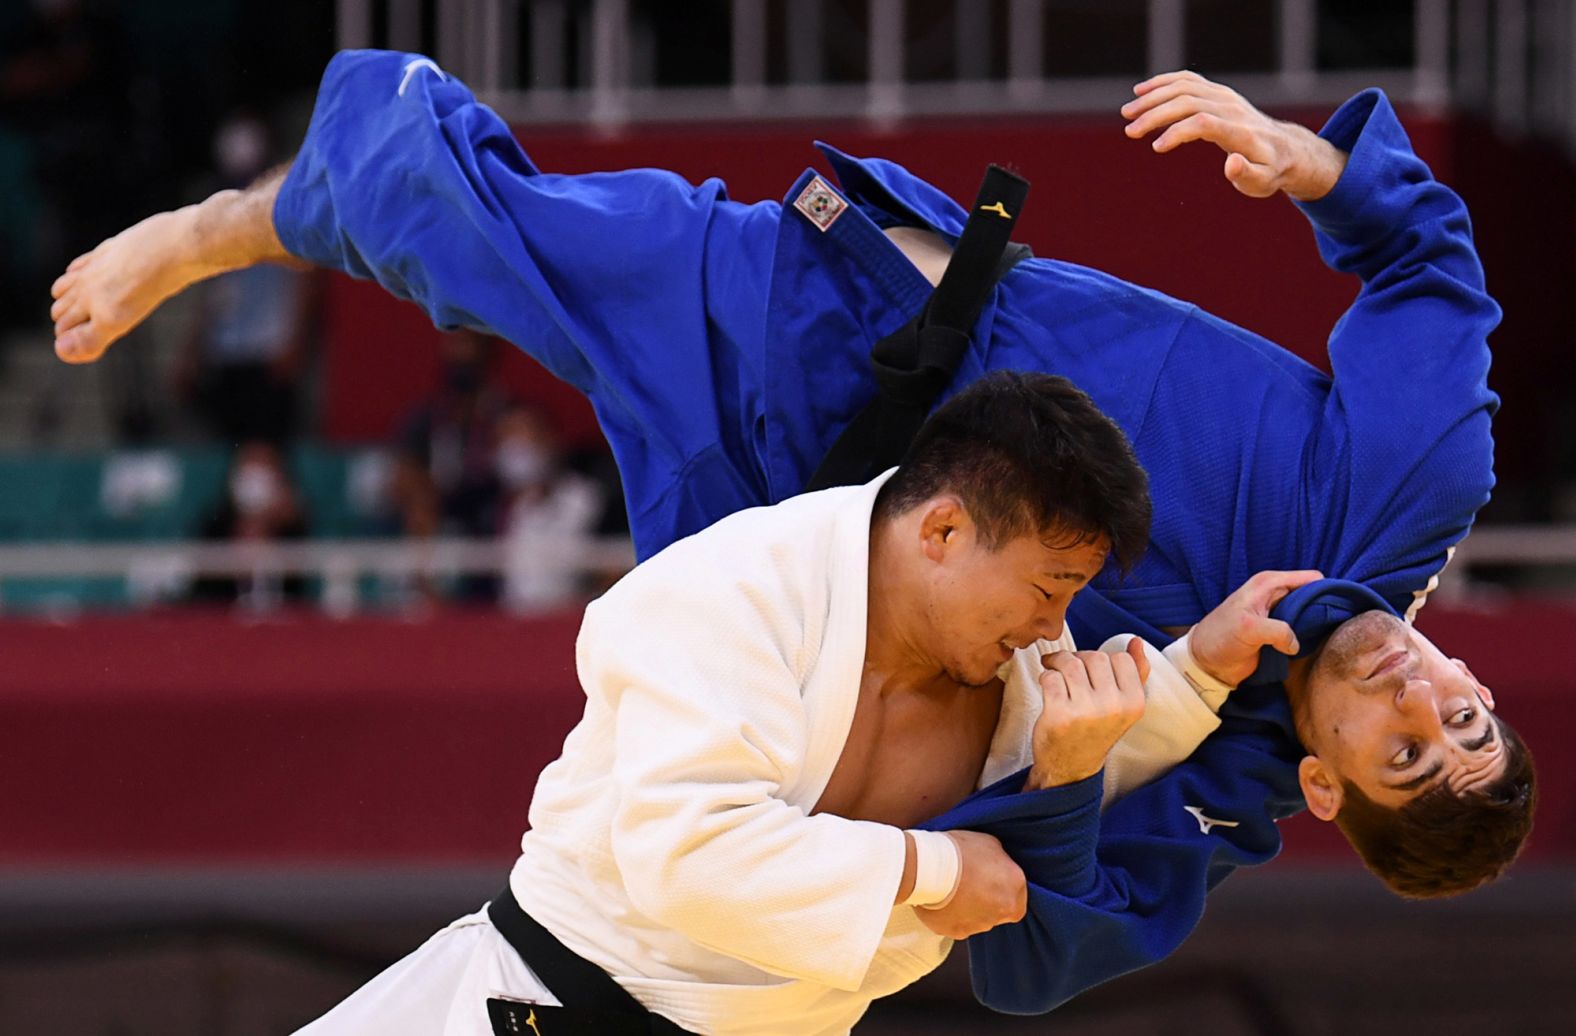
(1042, 778)
(1317, 167)
(1205, 680)
(938, 867)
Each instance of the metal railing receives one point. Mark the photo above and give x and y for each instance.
(1513, 60)
(154, 572)
(157, 571)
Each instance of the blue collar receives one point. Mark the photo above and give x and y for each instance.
(1314, 611)
(895, 193)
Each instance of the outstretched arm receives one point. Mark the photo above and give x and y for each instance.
(110, 290)
(1109, 894)
(1405, 444)
(1402, 458)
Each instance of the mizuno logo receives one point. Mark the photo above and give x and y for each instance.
(1205, 823)
(410, 70)
(530, 1020)
(998, 208)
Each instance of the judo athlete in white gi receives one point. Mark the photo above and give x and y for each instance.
(771, 702)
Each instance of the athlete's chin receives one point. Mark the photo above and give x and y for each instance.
(979, 674)
(1353, 640)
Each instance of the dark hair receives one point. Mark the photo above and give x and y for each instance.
(1442, 844)
(1028, 454)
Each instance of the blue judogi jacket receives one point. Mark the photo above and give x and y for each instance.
(724, 347)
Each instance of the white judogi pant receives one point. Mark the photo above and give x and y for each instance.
(440, 989)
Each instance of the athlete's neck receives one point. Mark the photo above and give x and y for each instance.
(895, 616)
(926, 249)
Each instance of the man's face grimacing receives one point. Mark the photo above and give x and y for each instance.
(1382, 708)
(984, 601)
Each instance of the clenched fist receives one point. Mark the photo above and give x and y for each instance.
(1090, 699)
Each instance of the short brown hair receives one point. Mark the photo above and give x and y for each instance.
(1442, 844)
(1028, 454)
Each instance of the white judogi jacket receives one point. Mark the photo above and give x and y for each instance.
(672, 843)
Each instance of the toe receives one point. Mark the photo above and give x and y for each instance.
(79, 344)
(67, 313)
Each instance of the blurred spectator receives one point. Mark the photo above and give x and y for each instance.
(259, 506)
(446, 476)
(244, 361)
(548, 509)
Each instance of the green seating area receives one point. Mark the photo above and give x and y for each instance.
(156, 496)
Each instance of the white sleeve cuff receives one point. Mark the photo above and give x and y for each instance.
(1212, 691)
(937, 866)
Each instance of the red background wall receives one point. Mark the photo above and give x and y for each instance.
(197, 738)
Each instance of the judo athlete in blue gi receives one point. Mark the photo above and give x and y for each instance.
(724, 347)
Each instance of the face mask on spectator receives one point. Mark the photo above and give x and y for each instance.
(240, 149)
(255, 488)
(522, 464)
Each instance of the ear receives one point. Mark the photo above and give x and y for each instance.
(1319, 787)
(1483, 692)
(943, 526)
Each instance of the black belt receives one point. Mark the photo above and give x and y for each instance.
(914, 365)
(593, 1004)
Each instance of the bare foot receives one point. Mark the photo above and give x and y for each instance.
(110, 290)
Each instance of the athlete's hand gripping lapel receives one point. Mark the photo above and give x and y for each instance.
(1090, 700)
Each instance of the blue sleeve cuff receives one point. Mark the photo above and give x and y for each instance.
(1367, 129)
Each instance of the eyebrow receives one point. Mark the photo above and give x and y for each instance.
(1421, 779)
(1484, 741)
(1433, 771)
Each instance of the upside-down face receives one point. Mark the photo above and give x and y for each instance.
(1386, 710)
